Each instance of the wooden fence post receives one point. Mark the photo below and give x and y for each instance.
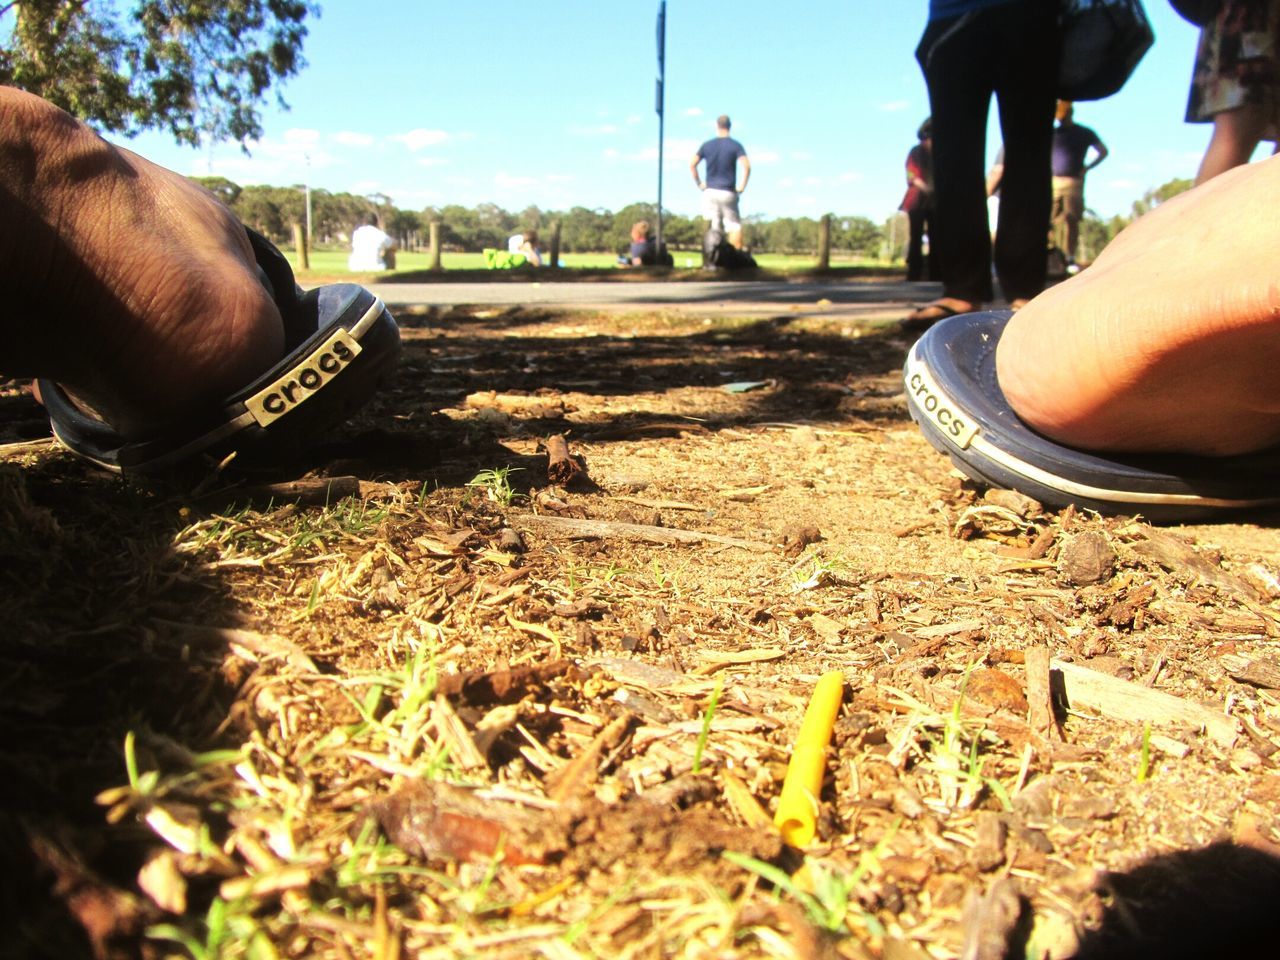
(435, 246)
(824, 243)
(555, 246)
(300, 245)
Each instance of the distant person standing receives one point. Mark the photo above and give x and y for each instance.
(371, 249)
(1071, 145)
(722, 154)
(917, 204)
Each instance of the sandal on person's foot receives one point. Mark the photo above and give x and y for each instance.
(922, 318)
(341, 345)
(952, 393)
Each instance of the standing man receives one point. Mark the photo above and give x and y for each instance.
(1071, 144)
(720, 192)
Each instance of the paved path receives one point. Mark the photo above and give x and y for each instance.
(863, 299)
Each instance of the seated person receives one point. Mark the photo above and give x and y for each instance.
(371, 249)
(526, 244)
(643, 250)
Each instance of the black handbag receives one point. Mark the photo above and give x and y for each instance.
(1198, 12)
(1102, 43)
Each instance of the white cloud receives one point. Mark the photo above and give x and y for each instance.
(507, 180)
(693, 112)
(603, 130)
(813, 181)
(301, 137)
(635, 118)
(415, 140)
(610, 153)
(801, 156)
(430, 161)
(894, 106)
(850, 176)
(349, 138)
(764, 156)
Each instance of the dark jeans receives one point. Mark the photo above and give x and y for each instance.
(919, 267)
(1009, 51)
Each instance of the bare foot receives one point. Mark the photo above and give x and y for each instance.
(123, 281)
(939, 309)
(1171, 340)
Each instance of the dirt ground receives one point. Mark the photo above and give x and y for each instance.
(466, 690)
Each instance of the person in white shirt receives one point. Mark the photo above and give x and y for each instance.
(369, 247)
(526, 243)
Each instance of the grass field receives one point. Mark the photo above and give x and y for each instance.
(329, 262)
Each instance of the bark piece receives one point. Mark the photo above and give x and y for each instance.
(487, 687)
(576, 777)
(1122, 700)
(437, 821)
(988, 848)
(990, 921)
(606, 529)
(563, 467)
(1040, 712)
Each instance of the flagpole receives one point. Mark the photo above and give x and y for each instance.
(662, 69)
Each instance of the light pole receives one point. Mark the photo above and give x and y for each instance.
(306, 186)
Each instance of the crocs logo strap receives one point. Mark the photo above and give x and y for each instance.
(304, 379)
(938, 407)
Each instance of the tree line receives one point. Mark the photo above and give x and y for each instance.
(273, 211)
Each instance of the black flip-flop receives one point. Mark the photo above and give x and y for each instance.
(952, 393)
(341, 345)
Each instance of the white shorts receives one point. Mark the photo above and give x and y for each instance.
(720, 207)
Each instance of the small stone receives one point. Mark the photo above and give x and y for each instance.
(1086, 558)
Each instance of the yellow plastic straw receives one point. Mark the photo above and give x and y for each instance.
(797, 814)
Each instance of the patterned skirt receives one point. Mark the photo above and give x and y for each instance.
(1238, 63)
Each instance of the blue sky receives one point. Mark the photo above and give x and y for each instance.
(553, 104)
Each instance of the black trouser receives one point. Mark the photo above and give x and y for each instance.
(918, 221)
(1009, 50)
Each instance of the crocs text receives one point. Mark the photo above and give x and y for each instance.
(937, 406)
(304, 379)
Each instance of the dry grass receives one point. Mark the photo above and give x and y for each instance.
(221, 711)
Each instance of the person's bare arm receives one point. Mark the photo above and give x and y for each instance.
(994, 176)
(745, 161)
(1102, 155)
(693, 169)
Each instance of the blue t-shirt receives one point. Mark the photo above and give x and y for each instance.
(1070, 145)
(941, 9)
(721, 154)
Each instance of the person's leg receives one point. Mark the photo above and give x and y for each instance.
(956, 59)
(1236, 134)
(125, 282)
(712, 210)
(1171, 340)
(1025, 93)
(1072, 231)
(732, 220)
(915, 245)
